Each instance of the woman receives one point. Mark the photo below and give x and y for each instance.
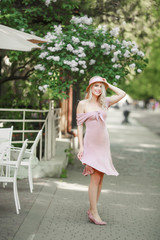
(94, 151)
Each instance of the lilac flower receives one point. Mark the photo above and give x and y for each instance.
(117, 77)
(69, 48)
(43, 55)
(106, 46)
(84, 20)
(55, 58)
(126, 54)
(117, 65)
(82, 71)
(47, 2)
(74, 69)
(114, 32)
(39, 67)
(75, 40)
(58, 29)
(133, 65)
(92, 61)
(89, 43)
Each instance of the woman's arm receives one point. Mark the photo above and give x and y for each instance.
(119, 94)
(80, 140)
(80, 109)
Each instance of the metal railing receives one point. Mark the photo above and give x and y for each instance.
(51, 128)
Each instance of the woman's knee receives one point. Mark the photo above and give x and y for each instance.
(99, 179)
(96, 178)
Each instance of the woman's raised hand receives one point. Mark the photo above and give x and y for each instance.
(105, 81)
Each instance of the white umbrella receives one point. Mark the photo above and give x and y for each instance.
(12, 39)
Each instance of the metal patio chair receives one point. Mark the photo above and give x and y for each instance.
(27, 159)
(15, 166)
(5, 141)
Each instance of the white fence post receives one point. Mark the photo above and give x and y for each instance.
(24, 116)
(46, 141)
(51, 133)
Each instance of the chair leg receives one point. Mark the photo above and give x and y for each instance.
(5, 174)
(19, 207)
(15, 196)
(8, 170)
(2, 172)
(4, 185)
(30, 179)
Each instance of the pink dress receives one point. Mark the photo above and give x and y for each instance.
(96, 142)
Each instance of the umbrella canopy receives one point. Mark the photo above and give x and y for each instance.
(12, 39)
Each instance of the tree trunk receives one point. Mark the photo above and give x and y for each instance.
(76, 98)
(0, 73)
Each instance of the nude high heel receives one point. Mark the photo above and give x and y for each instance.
(88, 212)
(92, 219)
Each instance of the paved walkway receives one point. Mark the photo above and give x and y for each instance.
(129, 202)
(149, 119)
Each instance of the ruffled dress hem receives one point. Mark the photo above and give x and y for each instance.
(85, 173)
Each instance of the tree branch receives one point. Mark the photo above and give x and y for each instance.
(29, 73)
(21, 66)
(11, 78)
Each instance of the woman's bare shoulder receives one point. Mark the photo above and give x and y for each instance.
(81, 106)
(83, 102)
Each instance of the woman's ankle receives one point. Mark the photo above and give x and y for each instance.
(94, 211)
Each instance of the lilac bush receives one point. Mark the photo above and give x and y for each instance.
(79, 51)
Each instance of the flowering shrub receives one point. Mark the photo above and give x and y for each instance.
(79, 51)
(47, 2)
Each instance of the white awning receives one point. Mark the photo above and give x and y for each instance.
(12, 39)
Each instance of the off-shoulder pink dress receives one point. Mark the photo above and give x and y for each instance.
(96, 142)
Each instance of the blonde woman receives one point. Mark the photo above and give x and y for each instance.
(94, 150)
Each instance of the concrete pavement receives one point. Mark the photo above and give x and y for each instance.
(129, 202)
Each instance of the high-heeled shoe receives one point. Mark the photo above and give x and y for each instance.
(92, 219)
(88, 212)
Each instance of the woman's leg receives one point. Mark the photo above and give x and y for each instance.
(100, 186)
(93, 193)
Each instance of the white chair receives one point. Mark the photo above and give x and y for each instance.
(5, 137)
(27, 160)
(15, 165)
(5, 141)
(28, 157)
(30, 153)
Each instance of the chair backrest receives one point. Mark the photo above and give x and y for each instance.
(33, 148)
(5, 140)
(21, 153)
(6, 136)
(3, 153)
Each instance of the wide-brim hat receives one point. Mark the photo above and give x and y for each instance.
(97, 79)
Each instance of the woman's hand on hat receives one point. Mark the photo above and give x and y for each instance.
(104, 79)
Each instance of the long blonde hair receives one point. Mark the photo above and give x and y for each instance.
(101, 98)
